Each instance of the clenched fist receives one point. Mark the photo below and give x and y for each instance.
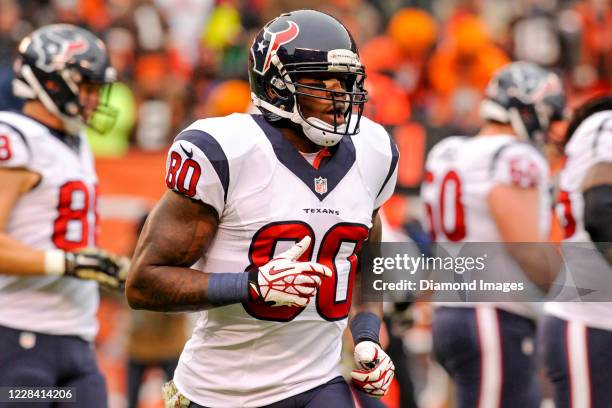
(286, 282)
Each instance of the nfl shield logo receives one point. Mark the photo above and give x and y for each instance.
(320, 185)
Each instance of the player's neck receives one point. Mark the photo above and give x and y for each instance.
(496, 129)
(38, 112)
(299, 140)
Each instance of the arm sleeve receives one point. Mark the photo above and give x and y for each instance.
(197, 167)
(387, 187)
(518, 165)
(14, 148)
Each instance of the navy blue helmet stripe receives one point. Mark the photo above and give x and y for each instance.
(392, 165)
(213, 151)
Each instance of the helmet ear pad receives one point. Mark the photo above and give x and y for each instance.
(279, 94)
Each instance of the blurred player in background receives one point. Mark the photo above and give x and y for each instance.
(48, 283)
(271, 211)
(577, 336)
(493, 188)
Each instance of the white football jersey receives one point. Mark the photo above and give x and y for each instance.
(590, 144)
(460, 173)
(269, 197)
(59, 212)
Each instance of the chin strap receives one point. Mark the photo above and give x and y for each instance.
(322, 137)
(326, 138)
(493, 111)
(318, 131)
(490, 110)
(517, 124)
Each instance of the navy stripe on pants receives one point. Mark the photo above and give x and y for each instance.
(578, 361)
(490, 355)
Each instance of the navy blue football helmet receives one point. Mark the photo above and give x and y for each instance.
(525, 96)
(53, 62)
(297, 44)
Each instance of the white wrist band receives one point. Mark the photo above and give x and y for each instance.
(55, 262)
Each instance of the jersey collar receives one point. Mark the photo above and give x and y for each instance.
(320, 181)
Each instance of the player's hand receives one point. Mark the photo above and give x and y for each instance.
(375, 369)
(95, 264)
(286, 282)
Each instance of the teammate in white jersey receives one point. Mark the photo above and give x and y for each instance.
(48, 284)
(244, 189)
(577, 336)
(493, 188)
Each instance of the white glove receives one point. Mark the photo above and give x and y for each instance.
(375, 369)
(285, 282)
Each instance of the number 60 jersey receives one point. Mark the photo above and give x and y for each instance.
(59, 212)
(461, 172)
(268, 197)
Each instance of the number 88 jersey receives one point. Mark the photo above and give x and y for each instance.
(59, 212)
(268, 197)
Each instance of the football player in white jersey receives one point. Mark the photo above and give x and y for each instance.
(493, 188)
(577, 336)
(262, 228)
(49, 271)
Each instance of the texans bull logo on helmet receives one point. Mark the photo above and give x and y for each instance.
(56, 48)
(269, 43)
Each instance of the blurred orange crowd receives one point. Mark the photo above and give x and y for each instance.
(180, 60)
